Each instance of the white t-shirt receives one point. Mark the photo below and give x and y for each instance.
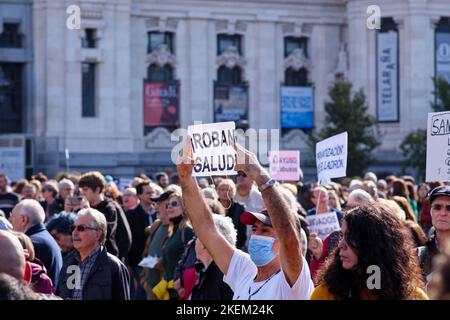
(253, 202)
(242, 271)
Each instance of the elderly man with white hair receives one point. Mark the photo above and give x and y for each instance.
(28, 216)
(89, 271)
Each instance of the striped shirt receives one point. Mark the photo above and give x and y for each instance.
(85, 269)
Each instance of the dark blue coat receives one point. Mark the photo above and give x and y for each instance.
(46, 250)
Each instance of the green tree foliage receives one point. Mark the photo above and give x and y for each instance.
(414, 145)
(347, 113)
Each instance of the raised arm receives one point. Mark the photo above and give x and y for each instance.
(200, 214)
(282, 217)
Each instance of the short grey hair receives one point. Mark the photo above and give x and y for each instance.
(99, 221)
(33, 210)
(359, 197)
(66, 182)
(226, 228)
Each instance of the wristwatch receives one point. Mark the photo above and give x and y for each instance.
(270, 183)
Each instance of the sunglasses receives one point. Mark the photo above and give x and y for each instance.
(172, 204)
(81, 228)
(438, 207)
(241, 174)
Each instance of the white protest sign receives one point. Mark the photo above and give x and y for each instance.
(438, 147)
(148, 262)
(323, 224)
(331, 157)
(213, 148)
(284, 165)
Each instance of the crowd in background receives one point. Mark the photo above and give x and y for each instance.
(139, 242)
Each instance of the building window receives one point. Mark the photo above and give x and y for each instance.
(292, 43)
(224, 41)
(156, 38)
(296, 78)
(163, 74)
(227, 76)
(89, 39)
(11, 98)
(10, 37)
(88, 89)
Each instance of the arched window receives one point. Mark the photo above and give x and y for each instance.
(229, 76)
(156, 73)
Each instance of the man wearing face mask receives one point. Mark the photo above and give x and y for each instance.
(275, 268)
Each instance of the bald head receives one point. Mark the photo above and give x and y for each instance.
(12, 259)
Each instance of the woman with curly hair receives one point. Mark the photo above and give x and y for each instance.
(371, 236)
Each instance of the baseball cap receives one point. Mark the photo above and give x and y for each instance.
(439, 191)
(249, 217)
(164, 196)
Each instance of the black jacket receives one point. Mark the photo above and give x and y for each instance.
(138, 220)
(47, 250)
(210, 285)
(118, 236)
(107, 280)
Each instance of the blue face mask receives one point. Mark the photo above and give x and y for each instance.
(260, 249)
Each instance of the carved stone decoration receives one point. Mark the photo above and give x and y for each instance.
(171, 24)
(241, 26)
(158, 138)
(297, 140)
(230, 58)
(307, 29)
(288, 28)
(297, 60)
(161, 56)
(342, 65)
(151, 23)
(221, 25)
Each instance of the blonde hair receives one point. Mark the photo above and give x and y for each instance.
(230, 184)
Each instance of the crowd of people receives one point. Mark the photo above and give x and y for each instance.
(176, 237)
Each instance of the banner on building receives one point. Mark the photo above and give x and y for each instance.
(438, 147)
(12, 162)
(231, 104)
(284, 165)
(387, 77)
(443, 55)
(213, 148)
(161, 104)
(297, 107)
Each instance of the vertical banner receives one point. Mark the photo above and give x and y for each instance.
(438, 147)
(284, 165)
(387, 76)
(443, 55)
(161, 104)
(297, 105)
(12, 162)
(231, 104)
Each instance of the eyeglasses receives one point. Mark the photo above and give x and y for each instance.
(81, 228)
(241, 174)
(172, 204)
(439, 207)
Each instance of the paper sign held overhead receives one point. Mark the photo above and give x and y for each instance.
(284, 165)
(331, 157)
(213, 148)
(438, 147)
(323, 224)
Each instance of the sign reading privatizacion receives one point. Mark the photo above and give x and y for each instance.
(331, 157)
(438, 147)
(284, 165)
(213, 148)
